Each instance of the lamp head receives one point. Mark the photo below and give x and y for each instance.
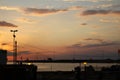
(13, 30)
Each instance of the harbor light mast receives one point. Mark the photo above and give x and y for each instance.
(14, 46)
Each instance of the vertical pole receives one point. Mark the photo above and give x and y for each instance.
(15, 52)
(14, 47)
(118, 54)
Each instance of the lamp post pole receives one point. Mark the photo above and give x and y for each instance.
(14, 47)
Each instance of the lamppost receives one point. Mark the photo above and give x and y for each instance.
(85, 75)
(14, 46)
(85, 63)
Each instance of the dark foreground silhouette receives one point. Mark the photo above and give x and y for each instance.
(29, 72)
(18, 72)
(111, 73)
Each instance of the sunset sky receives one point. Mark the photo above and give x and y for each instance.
(61, 29)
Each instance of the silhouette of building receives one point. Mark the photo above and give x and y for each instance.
(18, 72)
(3, 57)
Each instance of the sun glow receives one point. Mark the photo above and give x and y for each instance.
(7, 47)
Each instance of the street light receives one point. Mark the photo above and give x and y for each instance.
(85, 63)
(14, 46)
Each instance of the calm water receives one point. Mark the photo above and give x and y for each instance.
(67, 66)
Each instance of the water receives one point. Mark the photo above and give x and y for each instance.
(68, 66)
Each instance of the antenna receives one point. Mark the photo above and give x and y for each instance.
(14, 46)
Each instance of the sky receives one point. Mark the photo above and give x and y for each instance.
(61, 29)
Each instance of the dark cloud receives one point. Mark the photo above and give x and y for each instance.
(10, 53)
(75, 46)
(91, 39)
(117, 12)
(102, 44)
(103, 12)
(4, 44)
(42, 11)
(24, 52)
(6, 24)
(39, 11)
(84, 24)
(92, 45)
(99, 43)
(115, 6)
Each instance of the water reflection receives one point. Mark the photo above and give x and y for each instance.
(67, 66)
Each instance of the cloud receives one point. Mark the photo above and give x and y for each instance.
(84, 24)
(39, 12)
(102, 6)
(75, 8)
(116, 6)
(24, 52)
(101, 12)
(103, 44)
(94, 43)
(33, 11)
(4, 43)
(9, 8)
(78, 45)
(6, 24)
(24, 20)
(69, 0)
(94, 33)
(88, 0)
(110, 21)
(92, 39)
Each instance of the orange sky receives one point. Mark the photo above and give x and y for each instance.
(61, 29)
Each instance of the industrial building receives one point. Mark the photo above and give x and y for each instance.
(3, 57)
(15, 71)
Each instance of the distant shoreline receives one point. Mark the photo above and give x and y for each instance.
(73, 61)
